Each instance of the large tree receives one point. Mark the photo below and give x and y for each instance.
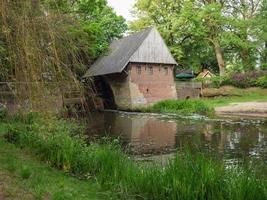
(243, 27)
(191, 29)
(81, 30)
(204, 32)
(262, 34)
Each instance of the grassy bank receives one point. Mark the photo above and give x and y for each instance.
(185, 107)
(23, 177)
(226, 95)
(206, 106)
(57, 143)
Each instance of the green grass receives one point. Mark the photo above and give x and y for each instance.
(206, 106)
(185, 177)
(187, 107)
(24, 177)
(238, 95)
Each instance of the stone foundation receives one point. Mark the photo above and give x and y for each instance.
(142, 85)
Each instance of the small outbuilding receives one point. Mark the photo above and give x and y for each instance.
(186, 85)
(136, 72)
(205, 74)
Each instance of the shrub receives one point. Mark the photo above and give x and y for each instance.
(182, 107)
(245, 80)
(240, 80)
(3, 112)
(262, 82)
(25, 172)
(218, 81)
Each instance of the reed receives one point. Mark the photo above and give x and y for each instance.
(187, 176)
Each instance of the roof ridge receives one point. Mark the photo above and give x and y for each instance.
(148, 30)
(122, 51)
(135, 33)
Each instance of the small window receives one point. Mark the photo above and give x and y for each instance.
(166, 70)
(150, 70)
(139, 70)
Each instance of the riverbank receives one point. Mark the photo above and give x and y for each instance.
(57, 142)
(24, 177)
(222, 101)
(235, 101)
(254, 109)
(226, 95)
(181, 107)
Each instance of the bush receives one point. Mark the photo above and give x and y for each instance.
(25, 172)
(218, 81)
(262, 82)
(245, 80)
(3, 112)
(240, 80)
(187, 107)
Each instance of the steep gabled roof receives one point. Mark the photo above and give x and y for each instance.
(205, 73)
(134, 48)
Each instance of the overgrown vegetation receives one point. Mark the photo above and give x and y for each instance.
(24, 177)
(240, 80)
(54, 37)
(186, 177)
(187, 107)
(213, 34)
(46, 46)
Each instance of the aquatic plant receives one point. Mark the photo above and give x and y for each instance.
(187, 176)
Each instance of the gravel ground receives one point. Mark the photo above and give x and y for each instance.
(248, 108)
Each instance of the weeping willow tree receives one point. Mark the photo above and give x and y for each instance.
(39, 53)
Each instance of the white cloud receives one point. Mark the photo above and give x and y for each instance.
(122, 7)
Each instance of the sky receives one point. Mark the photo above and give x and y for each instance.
(122, 7)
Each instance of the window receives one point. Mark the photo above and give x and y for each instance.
(138, 69)
(166, 70)
(150, 70)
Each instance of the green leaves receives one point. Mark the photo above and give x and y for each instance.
(76, 31)
(190, 28)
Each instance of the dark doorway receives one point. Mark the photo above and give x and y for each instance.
(105, 92)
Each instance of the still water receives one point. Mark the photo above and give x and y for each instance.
(231, 139)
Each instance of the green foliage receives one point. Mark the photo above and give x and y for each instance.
(187, 107)
(67, 35)
(45, 182)
(187, 176)
(262, 82)
(239, 80)
(3, 112)
(11, 163)
(25, 172)
(193, 29)
(63, 195)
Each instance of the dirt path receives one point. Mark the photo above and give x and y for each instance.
(257, 109)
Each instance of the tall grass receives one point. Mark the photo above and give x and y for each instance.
(185, 177)
(187, 107)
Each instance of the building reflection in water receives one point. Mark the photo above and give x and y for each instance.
(154, 135)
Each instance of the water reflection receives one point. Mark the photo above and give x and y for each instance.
(146, 134)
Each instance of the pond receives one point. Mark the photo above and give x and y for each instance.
(232, 139)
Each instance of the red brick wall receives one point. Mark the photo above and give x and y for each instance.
(155, 86)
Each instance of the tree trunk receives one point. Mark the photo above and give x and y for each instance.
(219, 57)
(264, 57)
(247, 60)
